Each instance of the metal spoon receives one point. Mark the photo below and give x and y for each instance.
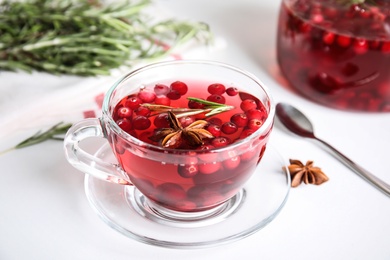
(299, 124)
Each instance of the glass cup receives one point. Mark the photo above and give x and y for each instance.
(217, 175)
(337, 53)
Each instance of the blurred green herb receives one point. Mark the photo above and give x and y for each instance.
(53, 133)
(86, 37)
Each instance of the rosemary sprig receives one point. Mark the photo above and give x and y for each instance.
(53, 133)
(211, 108)
(85, 37)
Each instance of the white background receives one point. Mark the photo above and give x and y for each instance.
(44, 213)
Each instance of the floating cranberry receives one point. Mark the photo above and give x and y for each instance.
(162, 100)
(246, 132)
(239, 119)
(328, 38)
(161, 89)
(216, 88)
(254, 114)
(125, 124)
(161, 121)
(215, 120)
(360, 46)
(216, 98)
(248, 104)
(194, 104)
(133, 102)
(229, 128)
(141, 123)
(220, 142)
(180, 87)
(146, 96)
(187, 170)
(343, 41)
(232, 162)
(255, 124)
(232, 91)
(124, 112)
(173, 95)
(142, 111)
(186, 120)
(215, 130)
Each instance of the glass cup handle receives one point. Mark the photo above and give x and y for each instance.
(86, 162)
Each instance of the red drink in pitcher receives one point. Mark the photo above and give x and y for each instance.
(337, 52)
(199, 123)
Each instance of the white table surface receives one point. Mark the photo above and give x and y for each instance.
(44, 213)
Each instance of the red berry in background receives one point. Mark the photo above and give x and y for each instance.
(124, 112)
(248, 104)
(216, 88)
(229, 128)
(216, 98)
(146, 96)
(161, 89)
(180, 87)
(255, 124)
(220, 142)
(141, 123)
(161, 121)
(133, 102)
(194, 104)
(232, 91)
(125, 124)
(173, 95)
(187, 170)
(162, 100)
(142, 111)
(239, 119)
(215, 130)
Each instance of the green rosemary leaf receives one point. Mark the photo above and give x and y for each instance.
(86, 37)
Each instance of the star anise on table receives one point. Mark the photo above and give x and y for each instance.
(176, 135)
(305, 173)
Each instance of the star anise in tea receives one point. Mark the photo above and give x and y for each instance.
(305, 173)
(176, 135)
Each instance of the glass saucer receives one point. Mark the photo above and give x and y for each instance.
(259, 202)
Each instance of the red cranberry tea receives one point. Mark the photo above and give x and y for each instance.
(337, 52)
(193, 132)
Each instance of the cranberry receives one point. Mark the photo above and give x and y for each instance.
(142, 111)
(187, 170)
(173, 95)
(385, 47)
(328, 38)
(180, 87)
(161, 121)
(161, 89)
(146, 96)
(141, 123)
(255, 124)
(229, 128)
(232, 162)
(209, 168)
(186, 120)
(343, 41)
(124, 112)
(207, 156)
(246, 132)
(360, 46)
(194, 104)
(248, 104)
(125, 124)
(254, 114)
(215, 130)
(232, 91)
(216, 88)
(216, 98)
(220, 142)
(239, 119)
(162, 100)
(133, 102)
(215, 120)
(249, 155)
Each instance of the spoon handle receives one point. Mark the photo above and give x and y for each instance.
(380, 184)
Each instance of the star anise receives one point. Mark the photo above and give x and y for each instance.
(305, 173)
(176, 135)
